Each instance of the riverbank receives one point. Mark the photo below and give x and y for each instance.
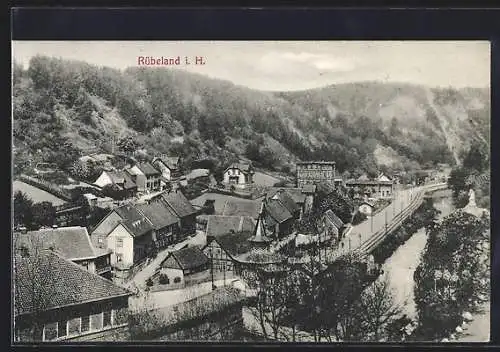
(400, 266)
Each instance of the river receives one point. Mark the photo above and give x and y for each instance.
(400, 267)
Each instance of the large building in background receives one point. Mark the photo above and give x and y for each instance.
(314, 172)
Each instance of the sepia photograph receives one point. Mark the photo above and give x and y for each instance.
(250, 191)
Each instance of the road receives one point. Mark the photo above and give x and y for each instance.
(362, 232)
(162, 299)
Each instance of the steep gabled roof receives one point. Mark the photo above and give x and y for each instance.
(236, 243)
(129, 212)
(121, 178)
(334, 219)
(58, 282)
(245, 168)
(158, 214)
(295, 193)
(278, 211)
(285, 199)
(148, 169)
(218, 225)
(187, 258)
(179, 203)
(72, 242)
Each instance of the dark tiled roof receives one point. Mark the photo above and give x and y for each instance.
(59, 282)
(334, 218)
(71, 242)
(129, 212)
(218, 225)
(285, 199)
(148, 169)
(138, 227)
(245, 168)
(179, 203)
(159, 214)
(278, 211)
(242, 207)
(236, 243)
(121, 178)
(189, 258)
(296, 193)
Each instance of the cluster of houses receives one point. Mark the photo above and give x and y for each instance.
(132, 232)
(84, 302)
(143, 177)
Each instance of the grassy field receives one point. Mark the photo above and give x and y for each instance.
(263, 179)
(37, 195)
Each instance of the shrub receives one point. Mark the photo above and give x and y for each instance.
(164, 279)
(177, 280)
(149, 282)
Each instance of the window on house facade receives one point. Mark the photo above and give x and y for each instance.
(62, 328)
(96, 321)
(50, 332)
(106, 319)
(119, 243)
(74, 326)
(85, 323)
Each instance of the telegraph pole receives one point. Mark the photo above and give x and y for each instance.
(224, 273)
(385, 220)
(212, 267)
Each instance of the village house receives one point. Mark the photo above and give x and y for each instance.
(224, 251)
(57, 300)
(185, 264)
(182, 208)
(333, 226)
(120, 179)
(168, 165)
(280, 214)
(380, 187)
(303, 196)
(239, 175)
(146, 177)
(219, 225)
(132, 232)
(73, 243)
(314, 172)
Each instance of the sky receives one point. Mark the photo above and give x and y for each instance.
(292, 65)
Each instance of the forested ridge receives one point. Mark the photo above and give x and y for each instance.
(64, 108)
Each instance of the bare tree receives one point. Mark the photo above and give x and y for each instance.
(378, 309)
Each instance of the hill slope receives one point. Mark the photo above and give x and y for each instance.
(63, 108)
